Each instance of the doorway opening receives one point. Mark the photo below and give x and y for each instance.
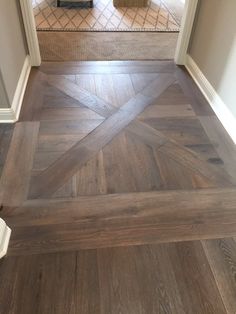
(65, 41)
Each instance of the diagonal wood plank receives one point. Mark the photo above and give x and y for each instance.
(194, 161)
(82, 95)
(58, 173)
(181, 154)
(122, 219)
(15, 179)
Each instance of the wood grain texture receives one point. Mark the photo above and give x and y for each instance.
(15, 178)
(221, 255)
(50, 180)
(6, 131)
(166, 278)
(83, 96)
(179, 153)
(33, 98)
(121, 219)
(143, 275)
(129, 169)
(53, 283)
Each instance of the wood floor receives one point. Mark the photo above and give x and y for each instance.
(119, 187)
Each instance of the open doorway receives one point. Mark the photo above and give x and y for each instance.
(107, 31)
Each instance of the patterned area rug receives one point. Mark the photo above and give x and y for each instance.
(156, 17)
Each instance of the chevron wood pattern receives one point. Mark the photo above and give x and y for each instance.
(120, 174)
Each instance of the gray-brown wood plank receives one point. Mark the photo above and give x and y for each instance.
(130, 168)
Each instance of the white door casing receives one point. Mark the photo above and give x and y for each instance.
(5, 233)
(190, 9)
(30, 31)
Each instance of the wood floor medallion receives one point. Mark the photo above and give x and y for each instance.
(118, 191)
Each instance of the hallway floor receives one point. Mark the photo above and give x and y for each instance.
(119, 187)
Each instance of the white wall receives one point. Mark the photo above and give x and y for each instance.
(213, 47)
(13, 49)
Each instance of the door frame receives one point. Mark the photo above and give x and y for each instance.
(190, 10)
(182, 43)
(30, 32)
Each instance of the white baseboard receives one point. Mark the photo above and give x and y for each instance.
(219, 107)
(5, 233)
(11, 115)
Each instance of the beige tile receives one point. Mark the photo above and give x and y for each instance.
(103, 16)
(77, 20)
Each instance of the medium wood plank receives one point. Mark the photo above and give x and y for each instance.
(173, 175)
(141, 80)
(196, 283)
(184, 130)
(143, 167)
(33, 98)
(64, 127)
(43, 160)
(223, 144)
(86, 81)
(131, 279)
(82, 95)
(162, 111)
(181, 154)
(58, 142)
(14, 182)
(119, 176)
(68, 114)
(53, 177)
(54, 283)
(189, 204)
(54, 98)
(123, 88)
(121, 219)
(158, 279)
(91, 178)
(6, 131)
(105, 88)
(221, 255)
(196, 98)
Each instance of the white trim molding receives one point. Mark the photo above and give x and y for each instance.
(221, 110)
(11, 115)
(30, 31)
(190, 9)
(5, 233)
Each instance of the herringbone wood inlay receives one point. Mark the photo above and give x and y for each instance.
(105, 157)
